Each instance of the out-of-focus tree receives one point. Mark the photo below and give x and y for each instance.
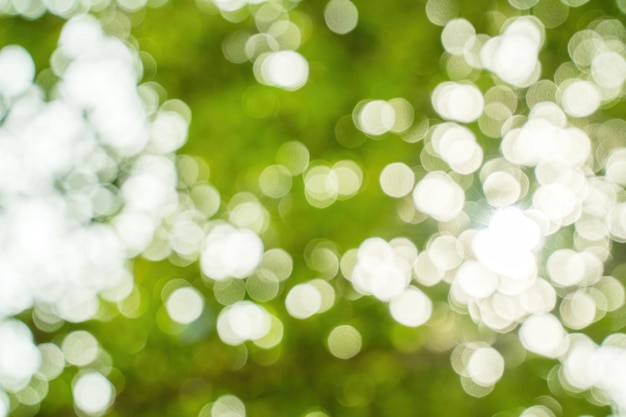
(342, 208)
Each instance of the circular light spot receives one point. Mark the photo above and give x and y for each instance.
(294, 156)
(412, 308)
(485, 366)
(459, 102)
(456, 36)
(321, 186)
(501, 189)
(566, 267)
(93, 393)
(513, 56)
(230, 252)
(397, 180)
(404, 114)
(616, 166)
(537, 411)
(17, 70)
(608, 69)
(229, 291)
(458, 147)
(344, 342)
(285, 69)
(326, 291)
(439, 12)
(439, 196)
(543, 334)
(276, 264)
(185, 305)
(578, 310)
(243, 321)
(523, 4)
(228, 406)
(53, 361)
(506, 245)
(445, 252)
(275, 181)
(132, 5)
(341, 16)
(80, 348)
(303, 301)
(376, 117)
(580, 99)
(613, 291)
(476, 280)
(19, 358)
(557, 201)
(274, 335)
(168, 132)
(349, 177)
(552, 13)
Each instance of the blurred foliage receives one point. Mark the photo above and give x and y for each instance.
(237, 128)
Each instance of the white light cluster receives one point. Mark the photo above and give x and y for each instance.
(93, 393)
(457, 145)
(324, 184)
(498, 280)
(458, 102)
(310, 298)
(588, 366)
(479, 365)
(19, 357)
(439, 196)
(513, 56)
(377, 117)
(272, 49)
(72, 217)
(384, 269)
(87, 178)
(243, 321)
(506, 246)
(230, 252)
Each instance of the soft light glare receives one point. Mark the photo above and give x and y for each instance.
(506, 245)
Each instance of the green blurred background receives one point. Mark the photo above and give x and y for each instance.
(237, 128)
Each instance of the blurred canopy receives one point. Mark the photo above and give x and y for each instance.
(340, 208)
